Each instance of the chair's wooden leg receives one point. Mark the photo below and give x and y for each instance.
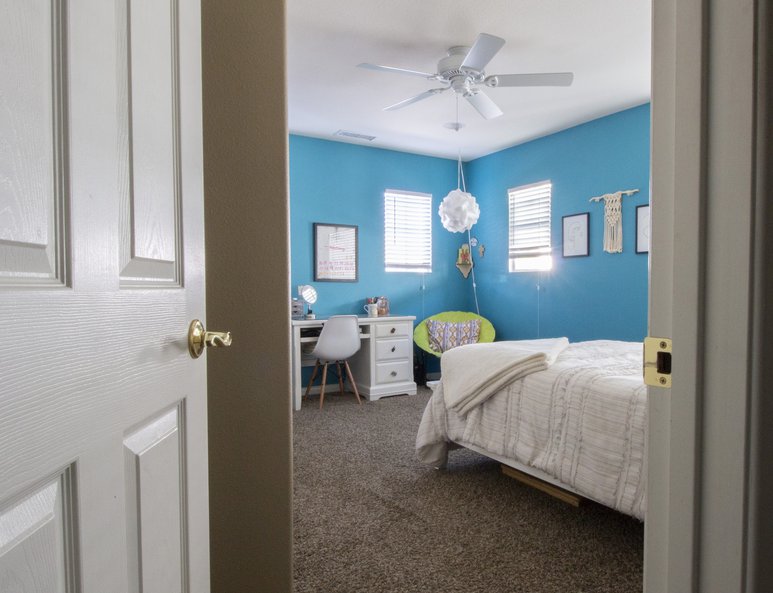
(351, 380)
(311, 381)
(340, 378)
(322, 389)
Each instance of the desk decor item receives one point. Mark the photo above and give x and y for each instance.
(382, 306)
(613, 219)
(296, 311)
(307, 294)
(335, 252)
(574, 236)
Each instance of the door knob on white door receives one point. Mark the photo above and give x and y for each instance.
(199, 339)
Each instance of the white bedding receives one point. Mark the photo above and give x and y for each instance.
(495, 365)
(582, 421)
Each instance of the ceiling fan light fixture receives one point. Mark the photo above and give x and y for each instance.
(491, 81)
(464, 68)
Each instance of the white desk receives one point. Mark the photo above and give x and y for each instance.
(382, 367)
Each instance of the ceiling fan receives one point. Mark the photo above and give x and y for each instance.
(462, 71)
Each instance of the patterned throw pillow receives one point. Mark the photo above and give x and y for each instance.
(444, 335)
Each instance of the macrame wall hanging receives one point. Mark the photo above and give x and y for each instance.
(613, 219)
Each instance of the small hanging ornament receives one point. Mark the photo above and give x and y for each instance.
(464, 260)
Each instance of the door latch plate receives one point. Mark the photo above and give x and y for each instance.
(657, 362)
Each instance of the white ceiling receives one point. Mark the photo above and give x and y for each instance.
(606, 43)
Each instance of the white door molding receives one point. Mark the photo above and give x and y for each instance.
(701, 292)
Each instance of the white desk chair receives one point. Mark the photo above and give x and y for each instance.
(338, 341)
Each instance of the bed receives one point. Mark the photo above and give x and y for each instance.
(578, 421)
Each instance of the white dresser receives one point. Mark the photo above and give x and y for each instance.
(382, 367)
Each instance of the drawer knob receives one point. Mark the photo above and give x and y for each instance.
(393, 348)
(393, 373)
(391, 331)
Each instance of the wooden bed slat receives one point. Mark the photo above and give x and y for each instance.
(554, 491)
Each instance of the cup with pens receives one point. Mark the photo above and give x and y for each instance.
(371, 307)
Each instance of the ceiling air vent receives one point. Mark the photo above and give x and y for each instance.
(346, 134)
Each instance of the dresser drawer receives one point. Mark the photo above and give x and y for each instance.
(394, 372)
(393, 330)
(393, 349)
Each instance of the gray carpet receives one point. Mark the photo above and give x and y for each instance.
(369, 518)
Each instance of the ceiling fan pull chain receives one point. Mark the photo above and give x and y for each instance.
(459, 173)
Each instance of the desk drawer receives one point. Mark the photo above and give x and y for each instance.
(394, 372)
(393, 349)
(393, 330)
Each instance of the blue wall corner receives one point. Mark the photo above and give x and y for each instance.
(603, 296)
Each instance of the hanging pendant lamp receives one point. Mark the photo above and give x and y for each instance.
(459, 210)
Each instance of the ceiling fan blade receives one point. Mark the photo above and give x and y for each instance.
(397, 70)
(543, 79)
(483, 103)
(414, 99)
(485, 47)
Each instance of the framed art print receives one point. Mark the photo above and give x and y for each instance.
(643, 228)
(574, 235)
(335, 252)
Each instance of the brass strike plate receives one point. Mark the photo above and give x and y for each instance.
(657, 362)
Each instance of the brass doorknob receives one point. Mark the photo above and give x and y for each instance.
(199, 339)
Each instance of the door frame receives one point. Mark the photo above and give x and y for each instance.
(707, 291)
(710, 105)
(248, 293)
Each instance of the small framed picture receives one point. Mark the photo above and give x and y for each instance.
(335, 252)
(643, 228)
(574, 235)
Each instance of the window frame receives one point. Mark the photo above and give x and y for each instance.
(542, 261)
(400, 234)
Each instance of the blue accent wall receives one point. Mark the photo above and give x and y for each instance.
(603, 296)
(335, 182)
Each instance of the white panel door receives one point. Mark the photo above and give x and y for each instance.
(103, 442)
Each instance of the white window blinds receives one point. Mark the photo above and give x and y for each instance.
(530, 227)
(407, 232)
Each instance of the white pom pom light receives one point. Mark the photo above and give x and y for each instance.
(459, 211)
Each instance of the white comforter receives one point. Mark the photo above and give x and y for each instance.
(582, 421)
(495, 366)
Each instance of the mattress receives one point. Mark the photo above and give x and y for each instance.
(583, 421)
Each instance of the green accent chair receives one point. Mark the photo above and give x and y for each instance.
(421, 337)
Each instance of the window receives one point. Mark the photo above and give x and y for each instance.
(407, 232)
(530, 227)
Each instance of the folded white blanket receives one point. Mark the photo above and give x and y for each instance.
(496, 365)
